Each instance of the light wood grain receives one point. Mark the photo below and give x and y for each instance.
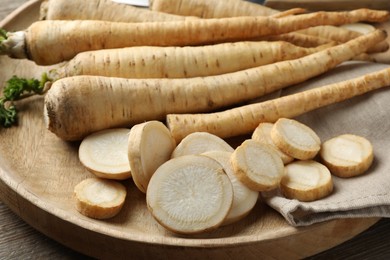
(39, 191)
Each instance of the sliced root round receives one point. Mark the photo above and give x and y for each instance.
(99, 198)
(295, 139)
(150, 145)
(200, 142)
(190, 194)
(104, 153)
(347, 155)
(306, 181)
(244, 199)
(257, 165)
(262, 134)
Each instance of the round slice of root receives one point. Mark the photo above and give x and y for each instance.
(347, 155)
(244, 199)
(306, 181)
(99, 198)
(262, 134)
(104, 153)
(295, 139)
(257, 165)
(190, 194)
(200, 142)
(150, 145)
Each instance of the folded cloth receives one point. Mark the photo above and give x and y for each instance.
(368, 115)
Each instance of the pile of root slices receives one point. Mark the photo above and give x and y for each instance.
(202, 182)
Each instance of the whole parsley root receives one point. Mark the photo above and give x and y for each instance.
(16, 89)
(51, 42)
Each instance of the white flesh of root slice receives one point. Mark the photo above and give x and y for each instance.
(150, 145)
(257, 165)
(347, 155)
(190, 194)
(306, 181)
(262, 134)
(362, 28)
(200, 142)
(244, 199)
(99, 198)
(104, 153)
(295, 139)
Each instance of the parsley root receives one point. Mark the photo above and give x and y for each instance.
(50, 42)
(243, 120)
(113, 102)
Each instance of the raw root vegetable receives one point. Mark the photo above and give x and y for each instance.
(99, 198)
(262, 134)
(77, 106)
(216, 8)
(243, 120)
(105, 10)
(347, 155)
(341, 35)
(295, 139)
(200, 142)
(150, 144)
(104, 153)
(299, 39)
(50, 42)
(244, 199)
(306, 181)
(190, 194)
(257, 165)
(178, 62)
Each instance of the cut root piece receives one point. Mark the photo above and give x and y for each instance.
(257, 165)
(306, 181)
(262, 134)
(244, 199)
(190, 194)
(150, 145)
(295, 139)
(200, 142)
(347, 155)
(99, 198)
(104, 153)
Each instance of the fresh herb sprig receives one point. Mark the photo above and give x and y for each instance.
(16, 89)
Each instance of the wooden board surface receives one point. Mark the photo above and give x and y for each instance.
(331, 5)
(38, 172)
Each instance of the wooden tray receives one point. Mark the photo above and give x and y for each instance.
(38, 172)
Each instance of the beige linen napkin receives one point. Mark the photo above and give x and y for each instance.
(368, 115)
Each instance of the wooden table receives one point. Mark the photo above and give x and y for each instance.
(19, 241)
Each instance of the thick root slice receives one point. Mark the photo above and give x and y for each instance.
(99, 198)
(347, 155)
(295, 139)
(244, 199)
(104, 153)
(306, 181)
(150, 145)
(200, 142)
(257, 165)
(262, 134)
(190, 194)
